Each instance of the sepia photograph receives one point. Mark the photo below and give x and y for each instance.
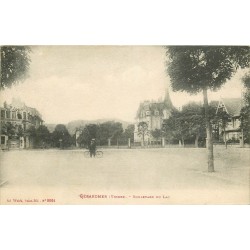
(124, 125)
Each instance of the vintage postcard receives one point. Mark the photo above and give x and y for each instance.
(124, 125)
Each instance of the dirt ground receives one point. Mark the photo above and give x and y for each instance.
(125, 176)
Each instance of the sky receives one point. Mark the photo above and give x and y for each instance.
(69, 83)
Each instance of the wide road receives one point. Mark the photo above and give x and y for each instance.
(131, 176)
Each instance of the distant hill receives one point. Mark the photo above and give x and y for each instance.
(71, 126)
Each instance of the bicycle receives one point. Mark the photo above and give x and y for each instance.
(98, 154)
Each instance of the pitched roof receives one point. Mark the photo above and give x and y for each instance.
(153, 106)
(158, 106)
(233, 105)
(16, 104)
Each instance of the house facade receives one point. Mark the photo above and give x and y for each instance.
(15, 121)
(232, 106)
(153, 113)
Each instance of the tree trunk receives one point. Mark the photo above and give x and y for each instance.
(242, 139)
(196, 141)
(225, 139)
(210, 156)
(183, 142)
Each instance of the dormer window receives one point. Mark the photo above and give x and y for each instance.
(19, 116)
(147, 112)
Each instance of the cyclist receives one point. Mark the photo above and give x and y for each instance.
(92, 148)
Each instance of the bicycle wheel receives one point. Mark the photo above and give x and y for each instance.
(86, 154)
(99, 154)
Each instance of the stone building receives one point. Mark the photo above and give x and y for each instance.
(152, 113)
(15, 121)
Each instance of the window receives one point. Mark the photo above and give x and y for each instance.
(19, 116)
(8, 114)
(2, 113)
(235, 123)
(24, 116)
(156, 112)
(235, 136)
(13, 115)
(147, 112)
(2, 140)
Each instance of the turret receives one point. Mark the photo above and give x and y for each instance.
(167, 100)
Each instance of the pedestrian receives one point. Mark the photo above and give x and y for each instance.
(92, 148)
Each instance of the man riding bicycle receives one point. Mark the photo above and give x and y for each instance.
(92, 148)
